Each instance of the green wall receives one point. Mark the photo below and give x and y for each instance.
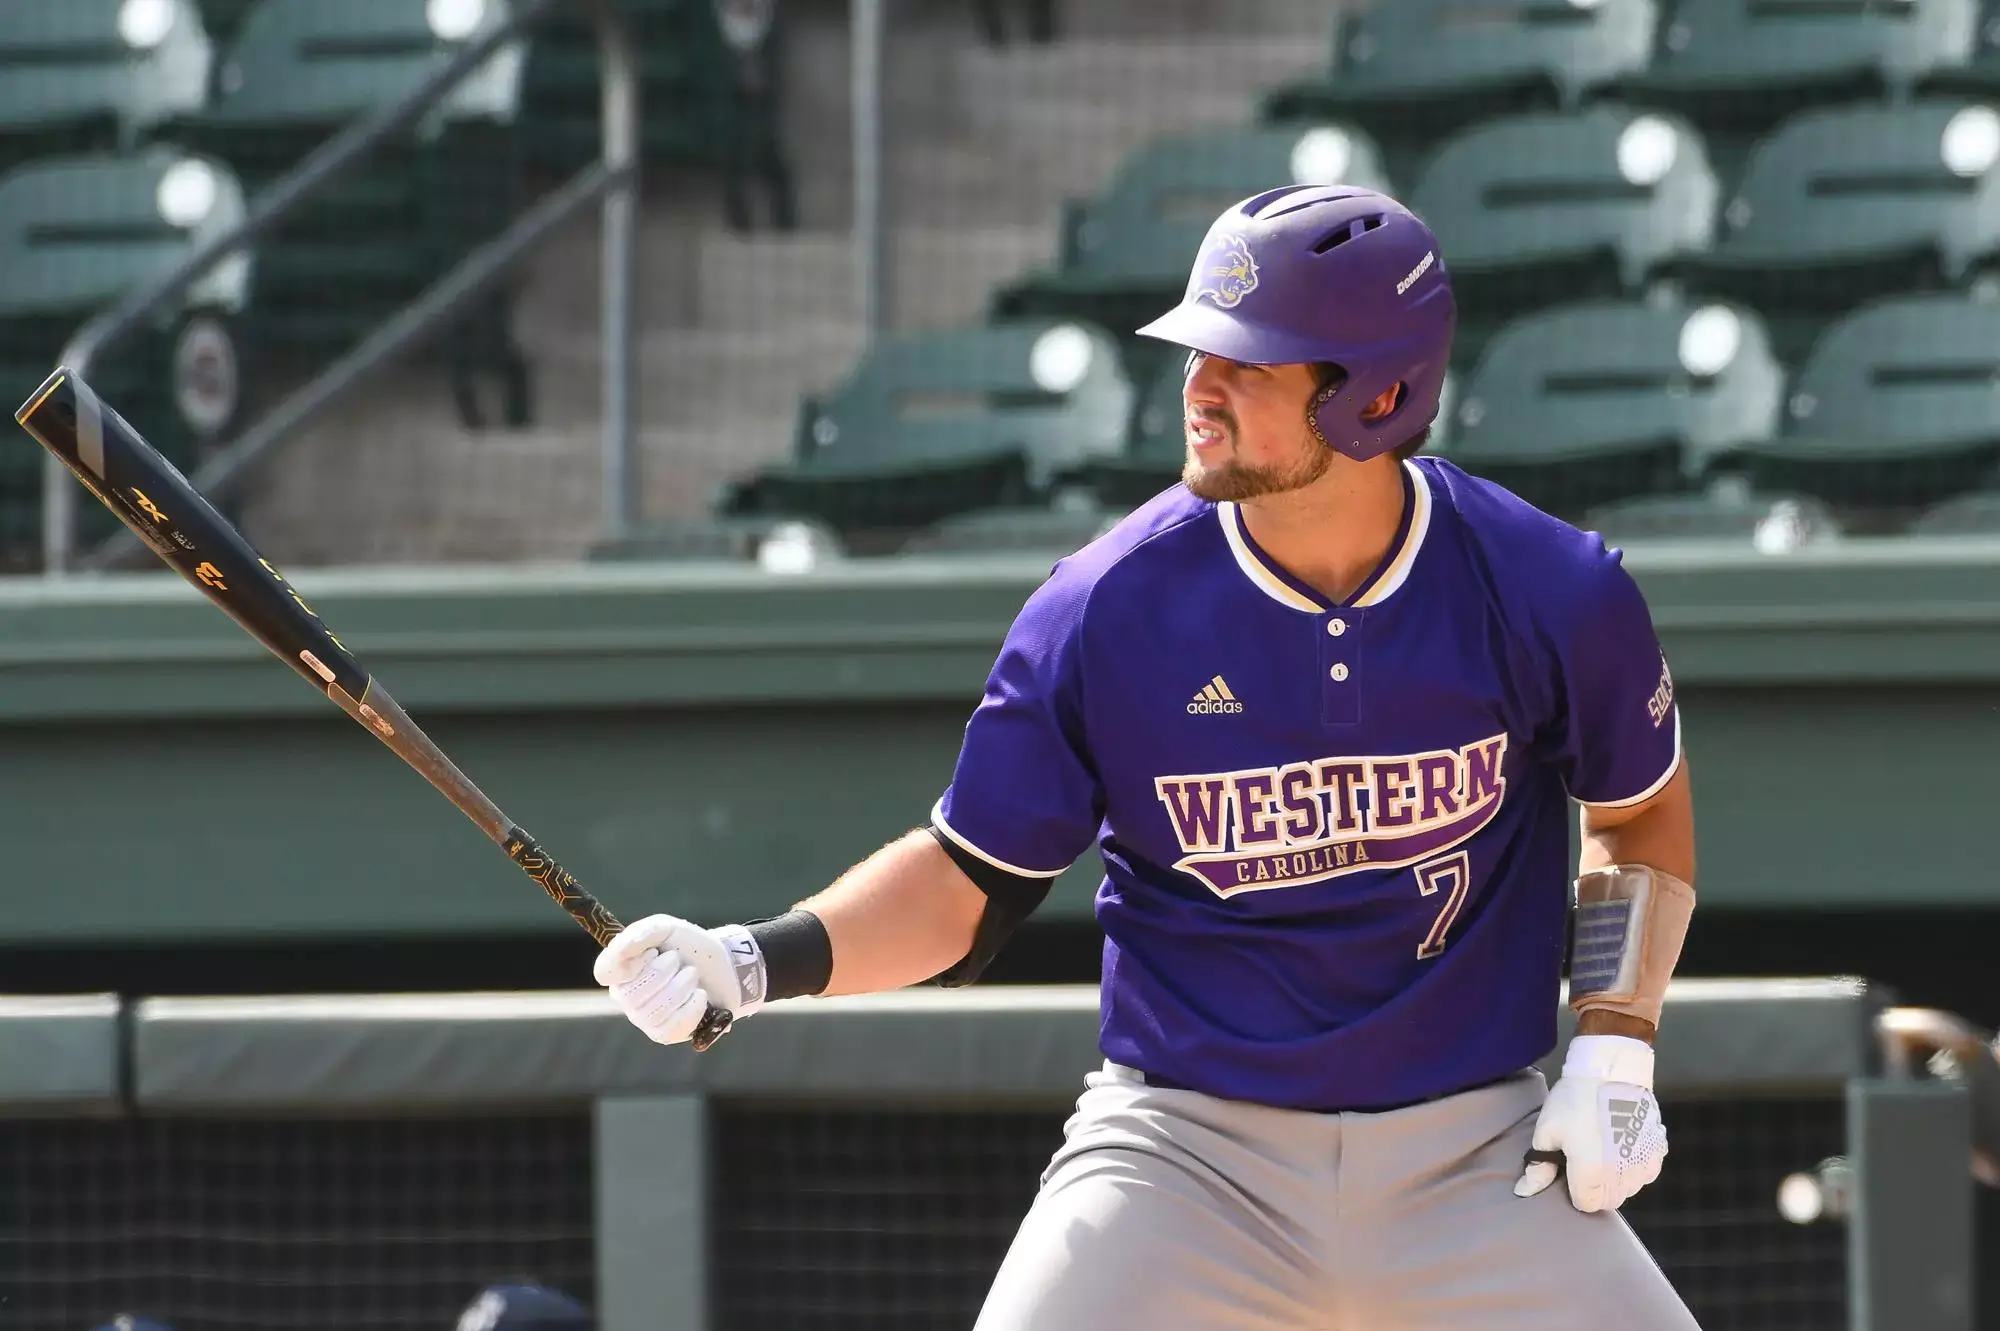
(718, 743)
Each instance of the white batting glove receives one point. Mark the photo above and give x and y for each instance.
(663, 973)
(1602, 1117)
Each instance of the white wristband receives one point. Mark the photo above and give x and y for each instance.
(746, 960)
(1610, 1058)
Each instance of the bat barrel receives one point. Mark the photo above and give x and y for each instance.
(150, 496)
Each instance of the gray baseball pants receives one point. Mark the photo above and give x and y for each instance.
(1168, 1210)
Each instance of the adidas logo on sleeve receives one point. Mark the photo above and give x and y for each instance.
(1214, 699)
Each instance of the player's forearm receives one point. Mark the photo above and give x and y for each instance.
(901, 916)
(1660, 834)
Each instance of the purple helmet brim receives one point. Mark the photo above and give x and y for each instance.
(1216, 332)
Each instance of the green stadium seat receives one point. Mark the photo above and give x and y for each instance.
(1736, 68)
(1443, 434)
(775, 542)
(1125, 255)
(1974, 514)
(708, 96)
(1156, 444)
(1894, 411)
(1590, 403)
(1414, 72)
(934, 424)
(95, 75)
(224, 18)
(1542, 209)
(364, 246)
(1769, 524)
(1979, 75)
(76, 234)
(1842, 205)
(1054, 530)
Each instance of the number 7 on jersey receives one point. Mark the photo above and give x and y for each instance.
(1451, 877)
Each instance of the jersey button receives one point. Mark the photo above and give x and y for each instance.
(1339, 672)
(1336, 627)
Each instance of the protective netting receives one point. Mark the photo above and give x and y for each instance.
(839, 1219)
(355, 1224)
(832, 1218)
(1781, 216)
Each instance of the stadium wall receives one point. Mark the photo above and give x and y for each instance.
(717, 742)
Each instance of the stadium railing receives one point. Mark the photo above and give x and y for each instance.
(373, 1161)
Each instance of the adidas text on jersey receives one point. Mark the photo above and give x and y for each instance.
(1214, 697)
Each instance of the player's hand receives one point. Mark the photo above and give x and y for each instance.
(663, 973)
(1602, 1118)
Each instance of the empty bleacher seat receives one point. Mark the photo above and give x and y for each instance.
(708, 95)
(366, 244)
(1736, 68)
(934, 424)
(1413, 72)
(95, 75)
(1769, 524)
(1540, 209)
(1894, 411)
(1975, 513)
(1156, 446)
(224, 18)
(1054, 530)
(1979, 75)
(1125, 254)
(1589, 403)
(1842, 205)
(76, 234)
(779, 544)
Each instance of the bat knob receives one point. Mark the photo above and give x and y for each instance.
(714, 1025)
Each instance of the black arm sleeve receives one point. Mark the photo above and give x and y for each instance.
(1010, 899)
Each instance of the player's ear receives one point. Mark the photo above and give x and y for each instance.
(1387, 401)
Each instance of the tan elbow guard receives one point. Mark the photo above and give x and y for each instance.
(1625, 939)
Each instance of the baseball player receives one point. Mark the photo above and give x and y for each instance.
(1324, 707)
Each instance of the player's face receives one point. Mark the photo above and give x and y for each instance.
(1246, 429)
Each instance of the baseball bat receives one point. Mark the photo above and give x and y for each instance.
(149, 495)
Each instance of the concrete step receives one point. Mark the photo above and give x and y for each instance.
(749, 283)
(1082, 19)
(1151, 80)
(695, 377)
(504, 495)
(941, 275)
(946, 276)
(561, 284)
(960, 180)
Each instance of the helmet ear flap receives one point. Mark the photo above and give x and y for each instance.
(1342, 427)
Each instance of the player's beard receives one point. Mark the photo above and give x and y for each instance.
(1233, 481)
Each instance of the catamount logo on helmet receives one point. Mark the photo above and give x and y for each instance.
(1232, 272)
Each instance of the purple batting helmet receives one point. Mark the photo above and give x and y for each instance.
(1326, 273)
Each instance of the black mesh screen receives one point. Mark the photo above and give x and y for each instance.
(374, 1224)
(851, 1218)
(867, 1218)
(845, 1218)
(1712, 1218)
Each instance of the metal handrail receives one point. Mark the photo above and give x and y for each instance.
(1912, 1037)
(613, 178)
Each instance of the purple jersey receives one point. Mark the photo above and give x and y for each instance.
(1335, 837)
